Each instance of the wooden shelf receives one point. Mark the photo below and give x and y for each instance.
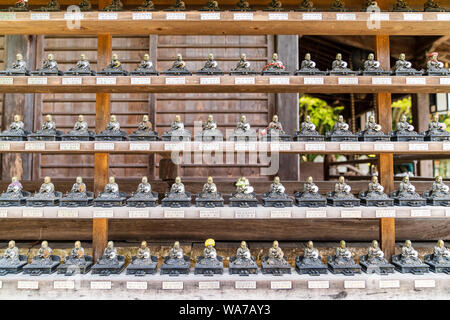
(224, 84)
(196, 22)
(136, 147)
(293, 286)
(226, 212)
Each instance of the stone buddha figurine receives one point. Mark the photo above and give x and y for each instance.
(275, 66)
(339, 67)
(175, 262)
(49, 126)
(178, 67)
(401, 6)
(176, 131)
(83, 67)
(404, 68)
(374, 261)
(372, 127)
(14, 194)
(147, 5)
(243, 67)
(341, 131)
(243, 263)
(11, 255)
(176, 254)
(44, 262)
(17, 125)
(177, 196)
(308, 131)
(49, 67)
(178, 6)
(52, 5)
(47, 188)
(177, 187)
(406, 187)
(439, 195)
(210, 124)
(145, 67)
(310, 262)
(47, 132)
(209, 196)
(78, 186)
(276, 255)
(111, 196)
(244, 195)
(310, 187)
(375, 187)
(115, 5)
(372, 66)
(16, 131)
(211, 66)
(242, 5)
(340, 125)
(112, 131)
(85, 5)
(375, 195)
(375, 255)
(76, 261)
(15, 187)
(306, 5)
(243, 186)
(432, 6)
(18, 67)
(78, 195)
(372, 131)
(441, 254)
(342, 189)
(243, 131)
(143, 254)
(274, 5)
(276, 197)
(310, 254)
(145, 131)
(243, 125)
(76, 255)
(403, 125)
(143, 262)
(435, 126)
(81, 125)
(308, 67)
(211, 5)
(343, 255)
(80, 131)
(243, 255)
(114, 67)
(209, 256)
(407, 195)
(109, 255)
(436, 67)
(342, 196)
(209, 188)
(46, 196)
(20, 5)
(409, 255)
(143, 197)
(338, 5)
(44, 254)
(274, 131)
(144, 186)
(111, 186)
(439, 187)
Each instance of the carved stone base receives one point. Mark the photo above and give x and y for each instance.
(437, 267)
(79, 73)
(411, 202)
(276, 270)
(13, 268)
(406, 137)
(112, 72)
(89, 136)
(309, 72)
(108, 203)
(208, 203)
(444, 136)
(143, 202)
(298, 136)
(444, 202)
(19, 201)
(209, 270)
(176, 269)
(107, 269)
(177, 73)
(210, 73)
(276, 137)
(243, 270)
(45, 137)
(244, 73)
(376, 202)
(409, 73)
(345, 270)
(408, 268)
(143, 137)
(312, 269)
(310, 202)
(281, 202)
(373, 137)
(275, 73)
(142, 72)
(239, 201)
(337, 202)
(140, 270)
(343, 73)
(440, 73)
(38, 201)
(39, 268)
(10, 72)
(209, 136)
(109, 137)
(46, 72)
(174, 136)
(341, 138)
(69, 269)
(382, 268)
(377, 73)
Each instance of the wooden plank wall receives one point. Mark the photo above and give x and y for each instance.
(226, 108)
(2, 67)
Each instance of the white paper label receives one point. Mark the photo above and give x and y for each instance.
(280, 214)
(5, 146)
(443, 16)
(444, 81)
(418, 146)
(73, 16)
(345, 16)
(280, 80)
(139, 146)
(245, 146)
(140, 81)
(173, 213)
(172, 285)
(245, 284)
(424, 283)
(69, 146)
(350, 80)
(68, 213)
(209, 214)
(104, 146)
(1, 284)
(205, 285)
(314, 146)
(138, 214)
(210, 80)
(137, 285)
(208, 146)
(244, 80)
(350, 147)
(37, 80)
(316, 214)
(379, 80)
(350, 214)
(34, 146)
(61, 284)
(6, 81)
(243, 16)
(280, 285)
(7, 16)
(107, 16)
(446, 146)
(321, 284)
(40, 16)
(210, 16)
(420, 213)
(379, 16)
(103, 214)
(383, 147)
(312, 16)
(412, 16)
(175, 16)
(32, 213)
(244, 214)
(3, 213)
(416, 81)
(389, 284)
(174, 146)
(278, 16)
(71, 80)
(101, 285)
(27, 285)
(142, 16)
(106, 80)
(308, 80)
(279, 146)
(447, 213)
(176, 80)
(354, 284)
(385, 213)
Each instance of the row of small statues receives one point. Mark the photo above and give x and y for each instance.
(242, 5)
(210, 132)
(209, 263)
(244, 195)
(243, 67)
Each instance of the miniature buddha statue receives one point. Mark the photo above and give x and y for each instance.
(441, 254)
(243, 254)
(375, 255)
(276, 255)
(435, 126)
(176, 131)
(439, 188)
(11, 255)
(274, 127)
(52, 5)
(143, 254)
(177, 124)
(243, 65)
(406, 188)
(177, 187)
(211, 5)
(340, 126)
(372, 127)
(15, 187)
(144, 186)
(147, 5)
(433, 64)
(306, 5)
(311, 254)
(178, 6)
(80, 127)
(20, 5)
(49, 65)
(307, 127)
(49, 126)
(275, 5)
(145, 125)
(18, 66)
(370, 6)
(343, 255)
(178, 64)
(209, 255)
(85, 5)
(243, 186)
(401, 5)
(47, 188)
(338, 5)
(339, 64)
(210, 64)
(371, 64)
(115, 63)
(310, 186)
(375, 186)
(308, 64)
(76, 255)
(403, 125)
(341, 188)
(111, 186)
(275, 64)
(242, 5)
(115, 5)
(276, 188)
(432, 6)
(44, 255)
(209, 187)
(78, 186)
(17, 126)
(209, 124)
(243, 125)
(401, 65)
(82, 65)
(109, 255)
(113, 125)
(409, 255)
(176, 254)
(146, 63)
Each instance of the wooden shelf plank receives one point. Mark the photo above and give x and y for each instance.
(149, 147)
(195, 22)
(225, 84)
(260, 212)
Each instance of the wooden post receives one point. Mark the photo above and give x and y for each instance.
(102, 111)
(385, 161)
